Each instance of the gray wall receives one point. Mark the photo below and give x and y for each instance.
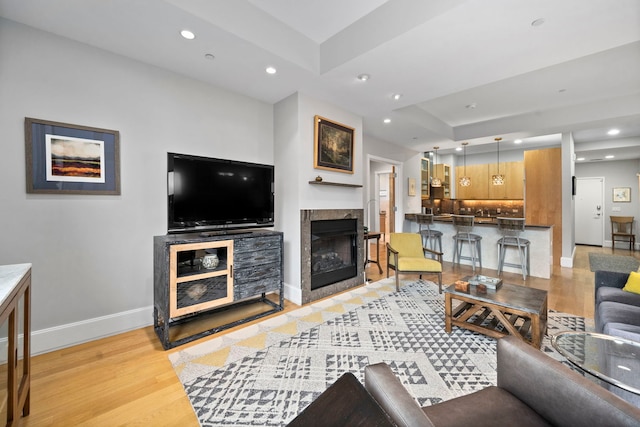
(622, 173)
(92, 255)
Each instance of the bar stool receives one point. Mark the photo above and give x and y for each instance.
(428, 234)
(511, 229)
(464, 225)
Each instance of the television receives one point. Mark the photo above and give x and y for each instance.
(216, 194)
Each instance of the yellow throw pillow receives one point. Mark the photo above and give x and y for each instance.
(633, 283)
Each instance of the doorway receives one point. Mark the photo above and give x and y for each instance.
(381, 211)
(589, 211)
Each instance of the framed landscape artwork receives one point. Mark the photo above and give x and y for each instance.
(71, 159)
(621, 194)
(333, 148)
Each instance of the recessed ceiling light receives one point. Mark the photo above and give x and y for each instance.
(387, 120)
(610, 156)
(458, 148)
(397, 96)
(364, 77)
(471, 106)
(209, 56)
(187, 34)
(517, 141)
(271, 70)
(537, 22)
(613, 132)
(580, 159)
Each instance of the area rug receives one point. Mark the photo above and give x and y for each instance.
(608, 262)
(274, 371)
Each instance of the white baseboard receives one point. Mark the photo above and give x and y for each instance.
(50, 339)
(293, 293)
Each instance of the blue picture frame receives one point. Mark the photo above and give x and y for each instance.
(63, 158)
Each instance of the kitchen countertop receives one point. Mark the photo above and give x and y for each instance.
(480, 220)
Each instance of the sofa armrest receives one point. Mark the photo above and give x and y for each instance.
(560, 395)
(612, 279)
(388, 391)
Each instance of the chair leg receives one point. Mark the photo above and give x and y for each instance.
(439, 283)
(397, 281)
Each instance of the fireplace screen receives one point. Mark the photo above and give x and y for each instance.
(333, 251)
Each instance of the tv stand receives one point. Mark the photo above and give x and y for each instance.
(248, 267)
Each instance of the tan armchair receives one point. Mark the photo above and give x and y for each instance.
(405, 254)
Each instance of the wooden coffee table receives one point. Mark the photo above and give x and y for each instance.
(510, 310)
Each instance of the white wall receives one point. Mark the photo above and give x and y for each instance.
(92, 255)
(294, 145)
(621, 173)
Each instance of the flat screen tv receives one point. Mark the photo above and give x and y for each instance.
(216, 194)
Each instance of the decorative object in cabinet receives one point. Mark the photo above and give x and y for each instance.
(249, 266)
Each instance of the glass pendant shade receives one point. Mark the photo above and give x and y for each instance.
(435, 181)
(498, 179)
(464, 181)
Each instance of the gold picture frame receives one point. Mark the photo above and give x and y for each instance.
(333, 149)
(412, 186)
(622, 194)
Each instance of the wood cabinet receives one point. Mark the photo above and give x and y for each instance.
(513, 187)
(442, 171)
(196, 274)
(481, 187)
(425, 177)
(544, 193)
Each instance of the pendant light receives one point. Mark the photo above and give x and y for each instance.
(464, 180)
(498, 179)
(435, 181)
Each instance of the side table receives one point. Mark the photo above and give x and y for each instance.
(15, 289)
(376, 236)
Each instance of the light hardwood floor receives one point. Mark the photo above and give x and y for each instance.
(127, 379)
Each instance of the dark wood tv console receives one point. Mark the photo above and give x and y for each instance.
(248, 267)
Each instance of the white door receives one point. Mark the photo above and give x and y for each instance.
(589, 217)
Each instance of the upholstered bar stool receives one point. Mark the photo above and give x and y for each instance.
(511, 228)
(429, 235)
(464, 227)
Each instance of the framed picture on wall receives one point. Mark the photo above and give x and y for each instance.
(621, 194)
(71, 159)
(333, 148)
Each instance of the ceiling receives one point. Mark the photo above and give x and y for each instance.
(468, 70)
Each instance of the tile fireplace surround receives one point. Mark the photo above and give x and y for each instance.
(306, 217)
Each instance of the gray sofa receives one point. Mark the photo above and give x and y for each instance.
(532, 390)
(617, 312)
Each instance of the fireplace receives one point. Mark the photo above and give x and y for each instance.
(332, 251)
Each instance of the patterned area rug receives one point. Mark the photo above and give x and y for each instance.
(268, 373)
(607, 262)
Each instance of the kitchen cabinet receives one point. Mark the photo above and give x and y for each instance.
(481, 187)
(425, 178)
(513, 187)
(442, 171)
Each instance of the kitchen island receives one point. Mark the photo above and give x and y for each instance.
(540, 236)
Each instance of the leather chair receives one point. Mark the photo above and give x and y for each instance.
(406, 255)
(532, 390)
(622, 231)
